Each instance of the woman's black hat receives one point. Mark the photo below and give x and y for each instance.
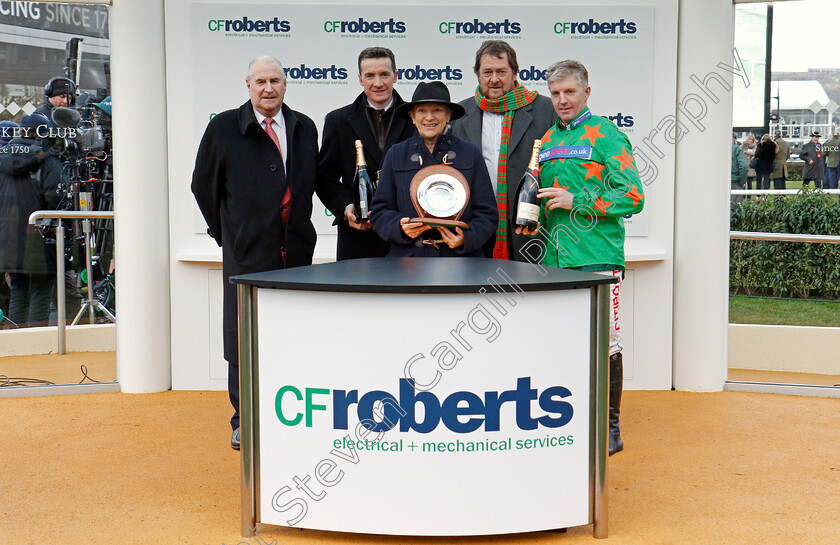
(433, 91)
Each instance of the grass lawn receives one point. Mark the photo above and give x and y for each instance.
(778, 311)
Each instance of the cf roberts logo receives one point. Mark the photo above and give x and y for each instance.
(595, 27)
(480, 27)
(531, 73)
(304, 72)
(622, 121)
(248, 25)
(365, 27)
(420, 73)
(460, 412)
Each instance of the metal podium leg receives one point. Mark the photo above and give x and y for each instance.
(61, 318)
(247, 349)
(601, 325)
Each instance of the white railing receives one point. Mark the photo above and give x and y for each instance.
(91, 303)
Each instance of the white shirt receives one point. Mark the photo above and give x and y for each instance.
(279, 126)
(390, 103)
(491, 140)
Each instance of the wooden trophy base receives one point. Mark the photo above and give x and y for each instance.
(440, 222)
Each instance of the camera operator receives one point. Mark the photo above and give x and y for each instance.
(59, 92)
(29, 181)
(78, 141)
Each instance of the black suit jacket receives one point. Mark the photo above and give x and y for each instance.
(337, 167)
(529, 123)
(239, 187)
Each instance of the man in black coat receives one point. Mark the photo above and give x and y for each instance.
(371, 119)
(253, 181)
(812, 156)
(29, 181)
(496, 68)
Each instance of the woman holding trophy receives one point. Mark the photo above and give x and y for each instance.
(434, 197)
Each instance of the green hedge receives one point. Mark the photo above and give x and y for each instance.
(786, 269)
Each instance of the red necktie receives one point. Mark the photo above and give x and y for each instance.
(287, 198)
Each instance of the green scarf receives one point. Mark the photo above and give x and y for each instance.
(518, 97)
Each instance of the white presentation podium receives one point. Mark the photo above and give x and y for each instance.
(424, 396)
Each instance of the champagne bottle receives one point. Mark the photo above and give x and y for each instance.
(528, 209)
(362, 186)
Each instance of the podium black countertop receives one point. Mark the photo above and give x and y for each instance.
(421, 275)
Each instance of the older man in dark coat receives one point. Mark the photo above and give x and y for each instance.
(812, 156)
(371, 119)
(499, 95)
(253, 181)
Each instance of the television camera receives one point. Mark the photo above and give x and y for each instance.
(81, 139)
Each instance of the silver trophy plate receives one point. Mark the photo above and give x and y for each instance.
(441, 195)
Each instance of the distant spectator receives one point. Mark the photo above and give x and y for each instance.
(7, 132)
(749, 147)
(739, 169)
(832, 159)
(59, 92)
(29, 181)
(779, 175)
(765, 154)
(811, 154)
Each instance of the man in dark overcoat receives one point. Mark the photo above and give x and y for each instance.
(371, 119)
(812, 156)
(500, 96)
(29, 181)
(253, 181)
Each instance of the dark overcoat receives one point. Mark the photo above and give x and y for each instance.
(529, 123)
(337, 168)
(813, 171)
(239, 186)
(29, 181)
(46, 109)
(393, 199)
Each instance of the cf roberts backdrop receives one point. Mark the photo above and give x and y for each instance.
(319, 46)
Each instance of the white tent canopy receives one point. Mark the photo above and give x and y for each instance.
(798, 95)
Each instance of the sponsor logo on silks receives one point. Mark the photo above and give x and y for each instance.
(362, 26)
(586, 114)
(460, 412)
(566, 152)
(304, 72)
(480, 27)
(248, 25)
(595, 27)
(421, 73)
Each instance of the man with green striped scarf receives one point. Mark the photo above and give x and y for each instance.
(503, 119)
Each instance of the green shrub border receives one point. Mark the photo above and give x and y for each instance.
(786, 269)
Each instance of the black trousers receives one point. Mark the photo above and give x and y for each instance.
(231, 346)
